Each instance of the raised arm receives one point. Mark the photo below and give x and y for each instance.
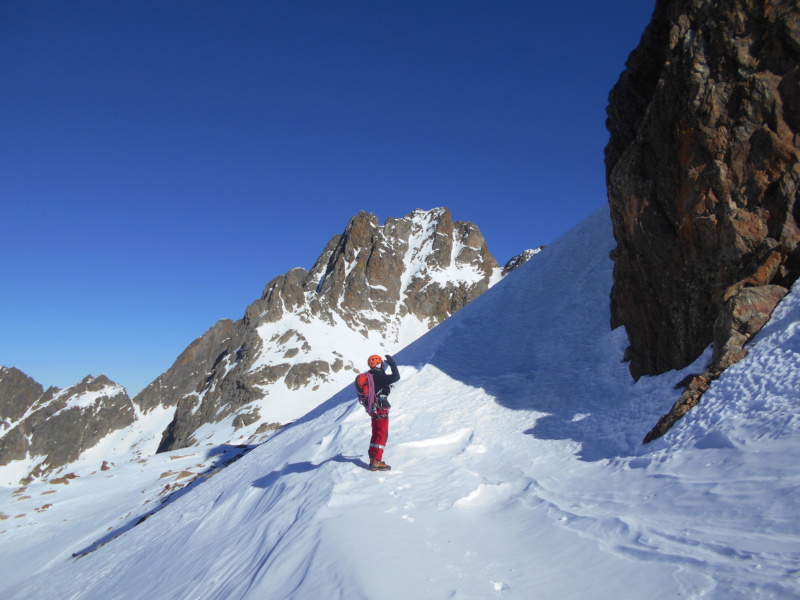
(395, 374)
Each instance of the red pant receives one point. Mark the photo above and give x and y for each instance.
(380, 433)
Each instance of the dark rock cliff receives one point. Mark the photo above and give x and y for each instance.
(703, 169)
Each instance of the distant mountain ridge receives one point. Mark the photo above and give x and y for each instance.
(54, 427)
(374, 288)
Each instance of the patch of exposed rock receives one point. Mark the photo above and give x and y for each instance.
(703, 172)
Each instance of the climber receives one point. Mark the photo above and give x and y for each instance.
(380, 412)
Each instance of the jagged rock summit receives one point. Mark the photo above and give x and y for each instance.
(703, 171)
(374, 288)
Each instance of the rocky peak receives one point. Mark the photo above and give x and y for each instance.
(703, 169)
(374, 288)
(53, 428)
(384, 269)
(18, 393)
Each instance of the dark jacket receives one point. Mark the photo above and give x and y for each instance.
(384, 381)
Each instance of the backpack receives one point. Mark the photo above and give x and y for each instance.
(365, 388)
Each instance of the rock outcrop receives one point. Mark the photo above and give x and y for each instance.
(54, 427)
(374, 288)
(703, 172)
(520, 259)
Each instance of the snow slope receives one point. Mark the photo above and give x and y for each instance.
(518, 472)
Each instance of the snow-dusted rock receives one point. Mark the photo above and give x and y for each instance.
(520, 259)
(57, 426)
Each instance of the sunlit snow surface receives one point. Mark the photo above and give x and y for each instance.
(517, 473)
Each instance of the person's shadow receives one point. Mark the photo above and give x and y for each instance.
(304, 467)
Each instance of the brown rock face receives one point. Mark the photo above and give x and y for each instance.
(742, 316)
(703, 172)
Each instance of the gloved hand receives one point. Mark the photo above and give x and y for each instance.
(389, 358)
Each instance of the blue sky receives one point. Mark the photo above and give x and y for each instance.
(160, 162)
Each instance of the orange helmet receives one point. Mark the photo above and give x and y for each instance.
(374, 361)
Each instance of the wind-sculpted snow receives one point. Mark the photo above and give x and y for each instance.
(516, 473)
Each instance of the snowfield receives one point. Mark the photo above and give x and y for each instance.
(518, 472)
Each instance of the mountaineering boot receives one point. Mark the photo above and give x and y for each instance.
(378, 465)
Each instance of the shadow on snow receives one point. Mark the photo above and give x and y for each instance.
(271, 479)
(227, 454)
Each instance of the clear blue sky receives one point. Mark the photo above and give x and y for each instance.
(160, 162)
